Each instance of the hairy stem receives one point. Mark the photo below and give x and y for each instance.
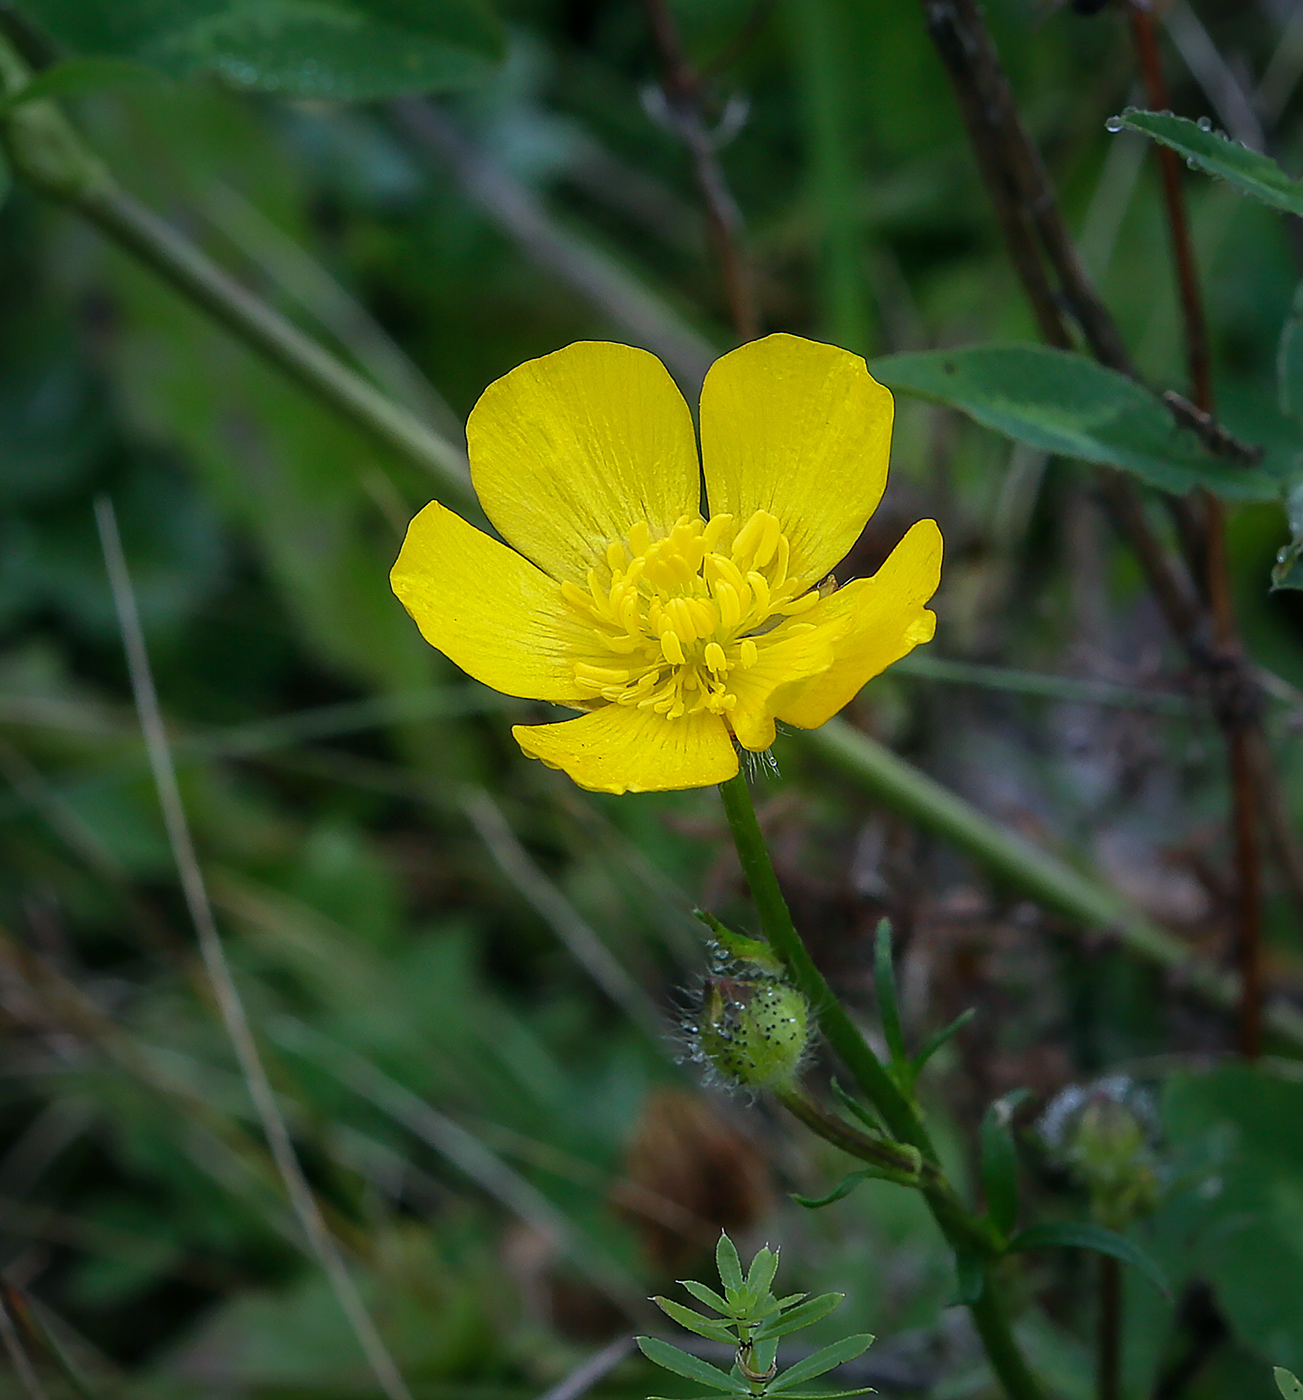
(964, 1231)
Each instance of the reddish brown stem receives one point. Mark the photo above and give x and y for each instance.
(682, 87)
(1236, 719)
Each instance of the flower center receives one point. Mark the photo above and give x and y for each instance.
(673, 619)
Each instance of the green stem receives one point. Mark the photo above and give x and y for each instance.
(963, 1230)
(838, 1028)
(49, 154)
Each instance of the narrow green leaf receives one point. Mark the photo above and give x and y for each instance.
(727, 1262)
(884, 977)
(854, 1107)
(694, 1322)
(761, 1273)
(75, 77)
(827, 1359)
(1082, 1235)
(1064, 403)
(1250, 172)
(826, 1394)
(790, 1300)
(999, 1166)
(1288, 1384)
(670, 1358)
(838, 1193)
(705, 1295)
(808, 1313)
(935, 1042)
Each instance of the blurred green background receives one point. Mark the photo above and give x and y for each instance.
(466, 974)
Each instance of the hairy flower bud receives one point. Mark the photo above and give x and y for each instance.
(1103, 1134)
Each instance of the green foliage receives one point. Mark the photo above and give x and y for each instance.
(335, 50)
(1288, 1384)
(752, 1319)
(1250, 172)
(1069, 1234)
(1066, 404)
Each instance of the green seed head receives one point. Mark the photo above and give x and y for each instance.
(753, 1031)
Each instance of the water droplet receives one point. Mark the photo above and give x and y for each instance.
(1204, 123)
(1113, 124)
(1192, 163)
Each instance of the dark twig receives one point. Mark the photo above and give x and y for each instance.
(681, 85)
(1014, 172)
(1237, 720)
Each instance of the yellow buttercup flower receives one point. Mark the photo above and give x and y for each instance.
(680, 635)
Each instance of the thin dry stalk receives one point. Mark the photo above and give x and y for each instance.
(229, 1003)
(681, 85)
(1237, 720)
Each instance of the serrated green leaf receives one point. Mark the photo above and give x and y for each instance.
(728, 1264)
(761, 1273)
(1083, 1235)
(1250, 172)
(335, 50)
(682, 1363)
(805, 1315)
(694, 1322)
(827, 1359)
(1288, 1384)
(1063, 403)
(705, 1295)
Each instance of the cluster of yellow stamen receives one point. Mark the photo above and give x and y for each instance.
(672, 619)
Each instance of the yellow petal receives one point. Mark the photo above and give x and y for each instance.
(620, 748)
(570, 451)
(801, 430)
(780, 666)
(485, 607)
(886, 619)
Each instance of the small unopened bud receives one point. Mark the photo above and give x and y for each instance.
(1103, 1135)
(753, 1031)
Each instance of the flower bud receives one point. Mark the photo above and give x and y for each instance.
(752, 1031)
(1103, 1135)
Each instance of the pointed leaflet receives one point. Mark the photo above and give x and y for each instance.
(706, 1295)
(1081, 1235)
(694, 1322)
(826, 1360)
(854, 1107)
(803, 1316)
(670, 1358)
(727, 1262)
(761, 1273)
(1288, 1384)
(1064, 403)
